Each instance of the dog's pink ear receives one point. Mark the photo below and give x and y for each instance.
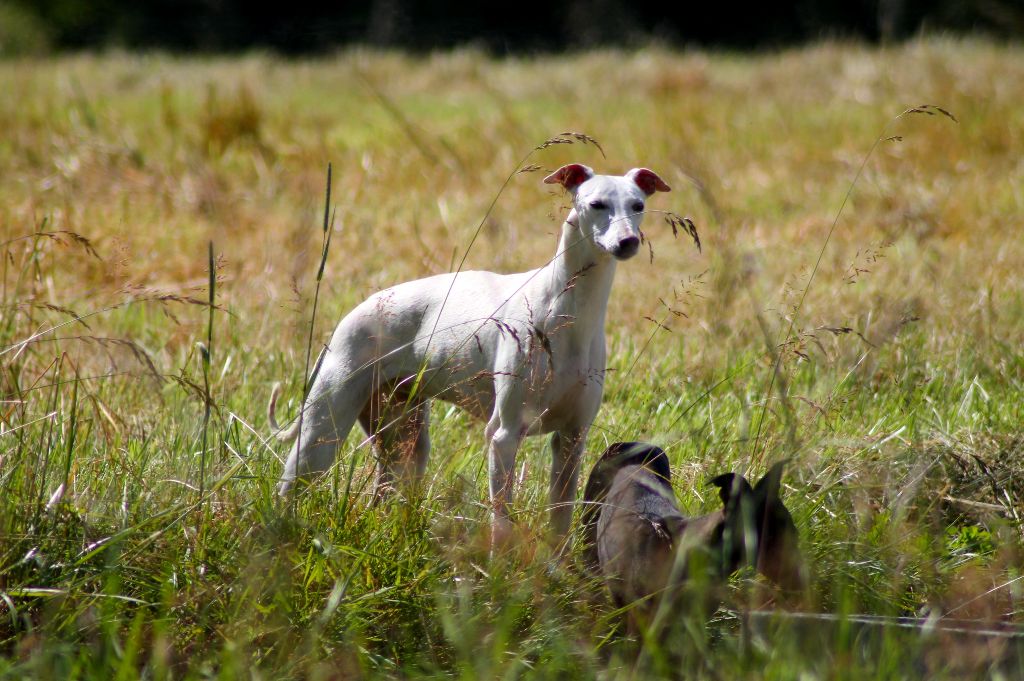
(648, 181)
(570, 176)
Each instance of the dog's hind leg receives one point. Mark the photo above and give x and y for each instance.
(399, 430)
(328, 414)
(421, 447)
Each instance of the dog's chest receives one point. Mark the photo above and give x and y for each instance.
(566, 394)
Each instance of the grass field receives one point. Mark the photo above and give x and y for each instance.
(897, 392)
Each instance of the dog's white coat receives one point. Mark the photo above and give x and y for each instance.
(524, 352)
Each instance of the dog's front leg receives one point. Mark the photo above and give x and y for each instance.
(566, 451)
(504, 434)
(501, 465)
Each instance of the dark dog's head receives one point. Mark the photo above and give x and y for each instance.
(614, 459)
(757, 529)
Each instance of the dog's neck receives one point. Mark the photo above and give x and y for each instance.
(579, 281)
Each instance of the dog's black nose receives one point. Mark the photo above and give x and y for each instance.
(627, 248)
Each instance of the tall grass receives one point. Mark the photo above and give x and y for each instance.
(901, 363)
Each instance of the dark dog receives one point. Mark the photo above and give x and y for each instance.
(636, 538)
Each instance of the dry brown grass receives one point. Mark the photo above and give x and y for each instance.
(118, 149)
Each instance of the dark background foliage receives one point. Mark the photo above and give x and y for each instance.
(305, 26)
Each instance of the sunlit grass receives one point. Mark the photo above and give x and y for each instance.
(898, 397)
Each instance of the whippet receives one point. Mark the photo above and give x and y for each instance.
(523, 352)
(643, 546)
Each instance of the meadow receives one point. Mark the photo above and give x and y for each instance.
(855, 306)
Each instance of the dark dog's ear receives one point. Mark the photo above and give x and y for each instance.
(570, 176)
(767, 488)
(648, 181)
(757, 517)
(779, 556)
(731, 487)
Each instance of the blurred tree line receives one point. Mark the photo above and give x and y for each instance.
(305, 26)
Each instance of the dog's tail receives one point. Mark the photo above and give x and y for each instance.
(282, 434)
(617, 456)
(289, 434)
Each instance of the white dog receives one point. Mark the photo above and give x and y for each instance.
(524, 352)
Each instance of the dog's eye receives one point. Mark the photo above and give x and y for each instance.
(638, 207)
(599, 205)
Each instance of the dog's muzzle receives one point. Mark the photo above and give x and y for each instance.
(626, 248)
